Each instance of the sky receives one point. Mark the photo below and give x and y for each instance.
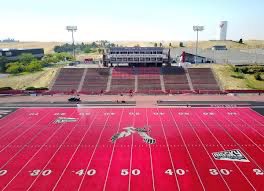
(129, 20)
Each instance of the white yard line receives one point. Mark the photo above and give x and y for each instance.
(34, 155)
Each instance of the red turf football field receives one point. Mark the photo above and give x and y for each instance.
(38, 154)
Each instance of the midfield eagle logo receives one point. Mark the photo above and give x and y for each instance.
(127, 131)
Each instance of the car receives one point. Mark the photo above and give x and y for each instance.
(74, 99)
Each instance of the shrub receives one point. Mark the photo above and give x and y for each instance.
(239, 76)
(34, 88)
(15, 68)
(26, 59)
(30, 88)
(244, 70)
(248, 69)
(236, 69)
(34, 66)
(258, 76)
(5, 88)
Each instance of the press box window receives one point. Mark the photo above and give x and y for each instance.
(8, 53)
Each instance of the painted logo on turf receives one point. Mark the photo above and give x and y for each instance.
(230, 155)
(65, 120)
(5, 112)
(142, 132)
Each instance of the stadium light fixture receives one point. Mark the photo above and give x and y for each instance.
(72, 29)
(197, 29)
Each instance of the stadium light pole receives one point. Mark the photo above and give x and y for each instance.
(72, 29)
(197, 29)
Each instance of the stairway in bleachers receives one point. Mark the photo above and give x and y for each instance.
(175, 79)
(123, 80)
(203, 79)
(95, 80)
(68, 79)
(148, 79)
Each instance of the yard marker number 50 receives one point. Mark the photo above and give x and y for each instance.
(125, 172)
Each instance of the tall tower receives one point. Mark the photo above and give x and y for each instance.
(222, 30)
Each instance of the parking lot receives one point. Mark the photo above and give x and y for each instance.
(231, 56)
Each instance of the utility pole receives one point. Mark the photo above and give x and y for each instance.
(197, 29)
(72, 29)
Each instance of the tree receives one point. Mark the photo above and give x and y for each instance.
(114, 45)
(155, 44)
(63, 48)
(181, 44)
(15, 68)
(100, 50)
(240, 41)
(94, 45)
(49, 59)
(64, 56)
(3, 62)
(26, 58)
(34, 66)
(170, 44)
(160, 44)
(87, 50)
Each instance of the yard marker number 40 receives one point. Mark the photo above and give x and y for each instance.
(179, 172)
(81, 172)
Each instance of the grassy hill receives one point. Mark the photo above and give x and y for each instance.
(225, 75)
(37, 79)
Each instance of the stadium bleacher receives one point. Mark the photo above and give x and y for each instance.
(146, 80)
